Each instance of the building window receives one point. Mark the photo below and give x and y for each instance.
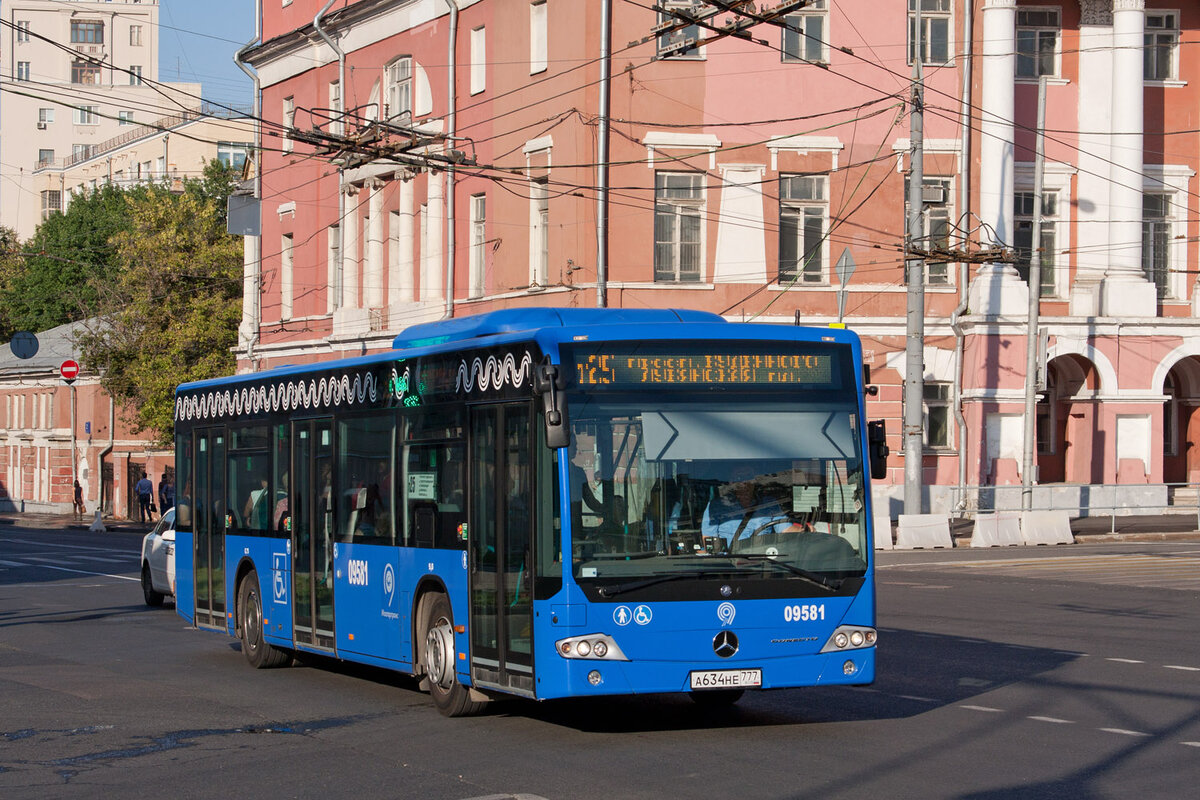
(45, 156)
(802, 210)
(1156, 240)
(289, 122)
(1162, 38)
(539, 249)
(678, 216)
(87, 31)
(23, 71)
(936, 407)
(22, 30)
(676, 37)
(1023, 236)
(285, 278)
(936, 232)
(935, 31)
(85, 73)
(538, 44)
(1037, 42)
(135, 35)
(478, 238)
(804, 36)
(478, 60)
(80, 152)
(46, 115)
(337, 114)
(233, 154)
(399, 88)
(86, 115)
(51, 202)
(135, 75)
(125, 117)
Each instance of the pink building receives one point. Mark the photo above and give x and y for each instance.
(437, 157)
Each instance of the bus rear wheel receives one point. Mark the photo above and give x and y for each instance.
(258, 652)
(451, 697)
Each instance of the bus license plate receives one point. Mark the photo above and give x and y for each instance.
(727, 679)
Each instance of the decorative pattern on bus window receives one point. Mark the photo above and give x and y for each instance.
(307, 394)
(401, 387)
(493, 373)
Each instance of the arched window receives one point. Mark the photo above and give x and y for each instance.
(398, 81)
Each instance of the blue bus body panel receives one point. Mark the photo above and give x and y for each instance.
(185, 590)
(272, 561)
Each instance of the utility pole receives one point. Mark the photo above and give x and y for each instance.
(914, 350)
(1035, 297)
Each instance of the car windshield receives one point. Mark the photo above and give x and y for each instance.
(715, 488)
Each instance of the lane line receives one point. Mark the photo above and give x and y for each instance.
(1054, 720)
(1191, 744)
(1124, 732)
(1125, 660)
(985, 708)
(85, 572)
(1185, 669)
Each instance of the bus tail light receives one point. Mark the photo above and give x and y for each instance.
(594, 647)
(850, 637)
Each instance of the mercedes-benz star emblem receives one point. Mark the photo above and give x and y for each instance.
(725, 644)
(726, 591)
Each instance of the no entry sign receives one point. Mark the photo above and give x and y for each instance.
(69, 369)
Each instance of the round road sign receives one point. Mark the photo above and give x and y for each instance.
(69, 369)
(24, 345)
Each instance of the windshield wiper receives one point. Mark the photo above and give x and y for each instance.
(812, 577)
(621, 588)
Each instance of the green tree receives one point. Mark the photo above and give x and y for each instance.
(170, 312)
(10, 262)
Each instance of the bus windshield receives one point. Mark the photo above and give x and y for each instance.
(714, 487)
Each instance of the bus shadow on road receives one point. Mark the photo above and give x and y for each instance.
(916, 672)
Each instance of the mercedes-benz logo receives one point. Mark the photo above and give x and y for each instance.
(725, 644)
(726, 591)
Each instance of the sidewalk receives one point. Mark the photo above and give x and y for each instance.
(69, 522)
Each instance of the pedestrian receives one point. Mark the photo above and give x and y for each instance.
(145, 493)
(162, 494)
(78, 501)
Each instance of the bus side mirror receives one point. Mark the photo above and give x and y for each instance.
(877, 449)
(549, 382)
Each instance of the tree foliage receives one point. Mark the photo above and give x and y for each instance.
(170, 311)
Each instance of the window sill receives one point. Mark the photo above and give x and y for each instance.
(1051, 80)
(658, 285)
(1171, 84)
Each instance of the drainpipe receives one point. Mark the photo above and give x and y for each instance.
(451, 129)
(602, 155)
(342, 89)
(964, 169)
(251, 292)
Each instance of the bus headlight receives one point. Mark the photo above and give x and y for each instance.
(593, 647)
(850, 637)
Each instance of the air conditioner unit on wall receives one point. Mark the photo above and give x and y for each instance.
(41, 126)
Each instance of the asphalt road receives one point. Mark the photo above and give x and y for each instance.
(1017, 673)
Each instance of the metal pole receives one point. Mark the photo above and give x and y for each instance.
(602, 153)
(914, 350)
(1035, 297)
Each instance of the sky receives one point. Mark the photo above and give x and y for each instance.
(197, 40)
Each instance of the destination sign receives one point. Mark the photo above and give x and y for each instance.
(704, 368)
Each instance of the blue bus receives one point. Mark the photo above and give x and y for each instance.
(545, 503)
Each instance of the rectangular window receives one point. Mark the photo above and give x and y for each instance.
(539, 250)
(125, 117)
(85, 73)
(46, 115)
(936, 408)
(935, 31)
(538, 45)
(22, 30)
(1162, 40)
(135, 75)
(802, 209)
(1023, 220)
(478, 238)
(678, 213)
(434, 495)
(23, 70)
(285, 277)
(51, 202)
(1156, 240)
(399, 88)
(682, 41)
(333, 261)
(289, 122)
(936, 234)
(478, 60)
(1037, 42)
(336, 112)
(250, 503)
(86, 115)
(233, 154)
(85, 31)
(366, 464)
(804, 37)
(81, 151)
(45, 156)
(135, 35)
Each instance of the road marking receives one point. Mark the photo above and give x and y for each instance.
(1125, 660)
(1055, 720)
(985, 708)
(1123, 732)
(1185, 669)
(60, 546)
(13, 564)
(1191, 744)
(916, 698)
(85, 572)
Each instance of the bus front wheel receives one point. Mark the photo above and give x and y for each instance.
(260, 654)
(451, 697)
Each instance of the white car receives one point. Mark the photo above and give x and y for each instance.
(158, 561)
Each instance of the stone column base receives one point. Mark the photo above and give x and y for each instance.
(1128, 296)
(998, 291)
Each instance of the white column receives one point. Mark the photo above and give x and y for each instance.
(251, 297)
(1094, 114)
(350, 226)
(1126, 291)
(997, 289)
(431, 277)
(402, 283)
(373, 275)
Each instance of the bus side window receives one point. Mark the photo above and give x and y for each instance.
(434, 485)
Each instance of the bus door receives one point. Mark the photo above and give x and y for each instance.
(312, 521)
(209, 520)
(500, 536)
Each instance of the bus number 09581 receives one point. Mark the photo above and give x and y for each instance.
(804, 613)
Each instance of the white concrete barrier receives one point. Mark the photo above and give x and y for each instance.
(883, 532)
(1046, 527)
(98, 525)
(918, 531)
(1001, 529)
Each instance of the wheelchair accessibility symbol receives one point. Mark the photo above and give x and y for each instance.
(642, 615)
(279, 577)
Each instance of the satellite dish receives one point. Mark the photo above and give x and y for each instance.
(24, 345)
